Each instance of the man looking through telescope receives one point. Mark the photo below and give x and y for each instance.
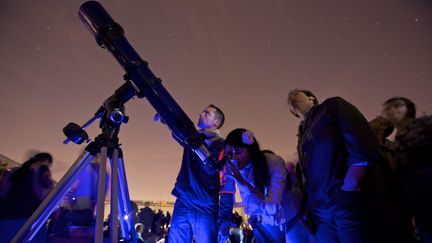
(203, 205)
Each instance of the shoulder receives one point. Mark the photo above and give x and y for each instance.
(218, 141)
(334, 101)
(275, 162)
(217, 144)
(276, 169)
(419, 132)
(329, 105)
(340, 106)
(424, 122)
(273, 158)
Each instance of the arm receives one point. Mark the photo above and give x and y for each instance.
(226, 204)
(360, 141)
(255, 202)
(226, 196)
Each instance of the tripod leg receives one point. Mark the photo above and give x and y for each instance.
(125, 209)
(114, 197)
(40, 216)
(98, 238)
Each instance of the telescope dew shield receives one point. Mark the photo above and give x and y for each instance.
(99, 22)
(110, 35)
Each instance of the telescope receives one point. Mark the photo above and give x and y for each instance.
(142, 82)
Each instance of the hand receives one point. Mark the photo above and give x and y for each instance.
(350, 188)
(382, 127)
(353, 177)
(158, 118)
(235, 173)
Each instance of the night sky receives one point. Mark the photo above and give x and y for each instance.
(243, 56)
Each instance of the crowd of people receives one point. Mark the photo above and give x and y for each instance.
(354, 181)
(351, 183)
(359, 186)
(152, 224)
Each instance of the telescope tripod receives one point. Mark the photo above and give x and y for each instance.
(121, 212)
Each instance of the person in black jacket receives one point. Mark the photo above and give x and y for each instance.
(411, 152)
(337, 150)
(203, 207)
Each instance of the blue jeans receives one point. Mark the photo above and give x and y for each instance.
(297, 233)
(268, 233)
(345, 220)
(187, 223)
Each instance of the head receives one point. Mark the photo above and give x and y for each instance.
(139, 227)
(301, 101)
(42, 159)
(36, 160)
(243, 146)
(211, 118)
(397, 109)
(245, 150)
